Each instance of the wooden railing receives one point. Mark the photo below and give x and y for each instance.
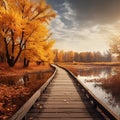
(20, 114)
(97, 103)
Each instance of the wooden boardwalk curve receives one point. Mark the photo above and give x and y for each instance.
(63, 100)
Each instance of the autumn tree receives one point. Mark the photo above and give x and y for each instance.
(76, 57)
(65, 57)
(48, 55)
(55, 51)
(22, 24)
(2, 51)
(39, 52)
(61, 56)
(83, 57)
(115, 46)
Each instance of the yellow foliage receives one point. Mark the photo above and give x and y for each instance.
(24, 29)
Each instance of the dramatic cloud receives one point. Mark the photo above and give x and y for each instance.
(96, 11)
(85, 25)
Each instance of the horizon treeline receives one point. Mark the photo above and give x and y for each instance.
(71, 56)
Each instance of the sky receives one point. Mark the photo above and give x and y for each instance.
(85, 25)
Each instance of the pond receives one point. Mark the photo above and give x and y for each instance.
(26, 79)
(104, 82)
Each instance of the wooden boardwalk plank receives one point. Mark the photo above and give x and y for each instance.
(67, 110)
(63, 100)
(63, 115)
(31, 118)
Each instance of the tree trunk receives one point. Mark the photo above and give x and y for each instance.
(10, 62)
(26, 62)
(2, 58)
(38, 62)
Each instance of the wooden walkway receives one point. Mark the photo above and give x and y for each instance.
(63, 100)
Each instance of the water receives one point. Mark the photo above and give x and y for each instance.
(26, 79)
(99, 81)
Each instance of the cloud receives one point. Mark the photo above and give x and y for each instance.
(96, 11)
(94, 38)
(69, 13)
(59, 25)
(85, 25)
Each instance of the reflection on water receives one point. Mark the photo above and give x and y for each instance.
(104, 82)
(25, 79)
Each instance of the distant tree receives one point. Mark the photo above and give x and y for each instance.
(65, 57)
(83, 57)
(61, 56)
(115, 46)
(92, 56)
(76, 57)
(55, 51)
(107, 56)
(70, 56)
(98, 57)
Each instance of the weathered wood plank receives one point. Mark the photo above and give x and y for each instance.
(33, 118)
(62, 99)
(67, 110)
(62, 90)
(63, 115)
(62, 106)
(60, 95)
(62, 103)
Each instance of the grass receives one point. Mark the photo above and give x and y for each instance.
(74, 66)
(90, 63)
